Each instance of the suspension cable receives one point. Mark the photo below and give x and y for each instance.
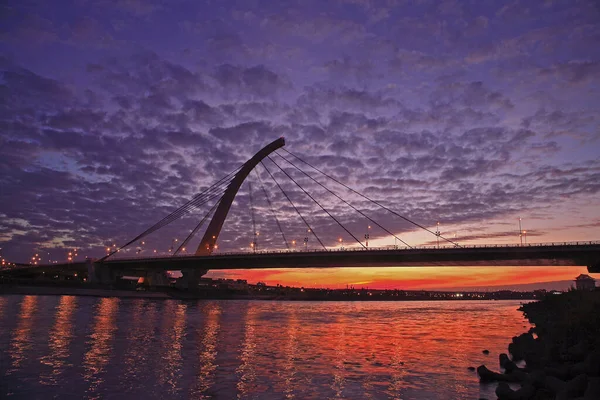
(193, 232)
(254, 238)
(340, 198)
(371, 200)
(197, 201)
(156, 226)
(319, 204)
(293, 205)
(271, 207)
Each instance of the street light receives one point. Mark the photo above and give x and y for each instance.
(520, 232)
(367, 236)
(341, 243)
(437, 233)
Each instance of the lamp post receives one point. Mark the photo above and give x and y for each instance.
(341, 243)
(520, 232)
(367, 236)
(437, 234)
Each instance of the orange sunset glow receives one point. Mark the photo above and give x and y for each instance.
(407, 278)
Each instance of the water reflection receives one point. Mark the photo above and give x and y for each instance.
(169, 374)
(339, 373)
(58, 343)
(21, 341)
(291, 356)
(139, 342)
(208, 354)
(247, 369)
(3, 301)
(97, 358)
(417, 350)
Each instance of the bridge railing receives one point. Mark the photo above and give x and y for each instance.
(360, 249)
(339, 250)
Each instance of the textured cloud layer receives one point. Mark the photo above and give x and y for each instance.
(115, 113)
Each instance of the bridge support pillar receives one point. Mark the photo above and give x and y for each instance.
(98, 273)
(190, 278)
(594, 268)
(157, 278)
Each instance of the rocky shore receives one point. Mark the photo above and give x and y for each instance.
(561, 353)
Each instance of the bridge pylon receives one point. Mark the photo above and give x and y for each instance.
(191, 277)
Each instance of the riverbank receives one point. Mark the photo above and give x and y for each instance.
(561, 352)
(227, 289)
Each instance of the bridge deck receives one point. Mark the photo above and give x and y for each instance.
(567, 254)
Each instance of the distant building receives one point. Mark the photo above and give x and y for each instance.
(585, 282)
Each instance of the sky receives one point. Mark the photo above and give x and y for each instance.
(472, 114)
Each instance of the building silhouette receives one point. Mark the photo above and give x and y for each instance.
(585, 282)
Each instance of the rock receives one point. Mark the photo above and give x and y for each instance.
(506, 363)
(573, 388)
(504, 392)
(592, 391)
(485, 375)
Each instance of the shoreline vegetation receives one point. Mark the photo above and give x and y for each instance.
(561, 353)
(236, 290)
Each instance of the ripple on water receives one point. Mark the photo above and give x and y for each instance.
(250, 349)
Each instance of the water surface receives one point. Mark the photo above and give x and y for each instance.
(85, 347)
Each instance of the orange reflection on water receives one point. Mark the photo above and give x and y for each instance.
(60, 338)
(247, 369)
(98, 356)
(172, 358)
(139, 338)
(3, 302)
(21, 341)
(291, 357)
(338, 332)
(208, 355)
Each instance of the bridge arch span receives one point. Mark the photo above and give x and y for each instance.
(207, 244)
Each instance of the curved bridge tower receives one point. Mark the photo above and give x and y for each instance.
(191, 277)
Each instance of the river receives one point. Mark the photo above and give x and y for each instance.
(109, 348)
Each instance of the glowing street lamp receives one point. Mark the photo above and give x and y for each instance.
(367, 236)
(520, 232)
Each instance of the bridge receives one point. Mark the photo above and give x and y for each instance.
(223, 192)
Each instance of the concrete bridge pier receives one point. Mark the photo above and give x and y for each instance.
(99, 273)
(157, 278)
(191, 278)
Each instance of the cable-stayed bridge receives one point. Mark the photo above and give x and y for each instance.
(219, 198)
